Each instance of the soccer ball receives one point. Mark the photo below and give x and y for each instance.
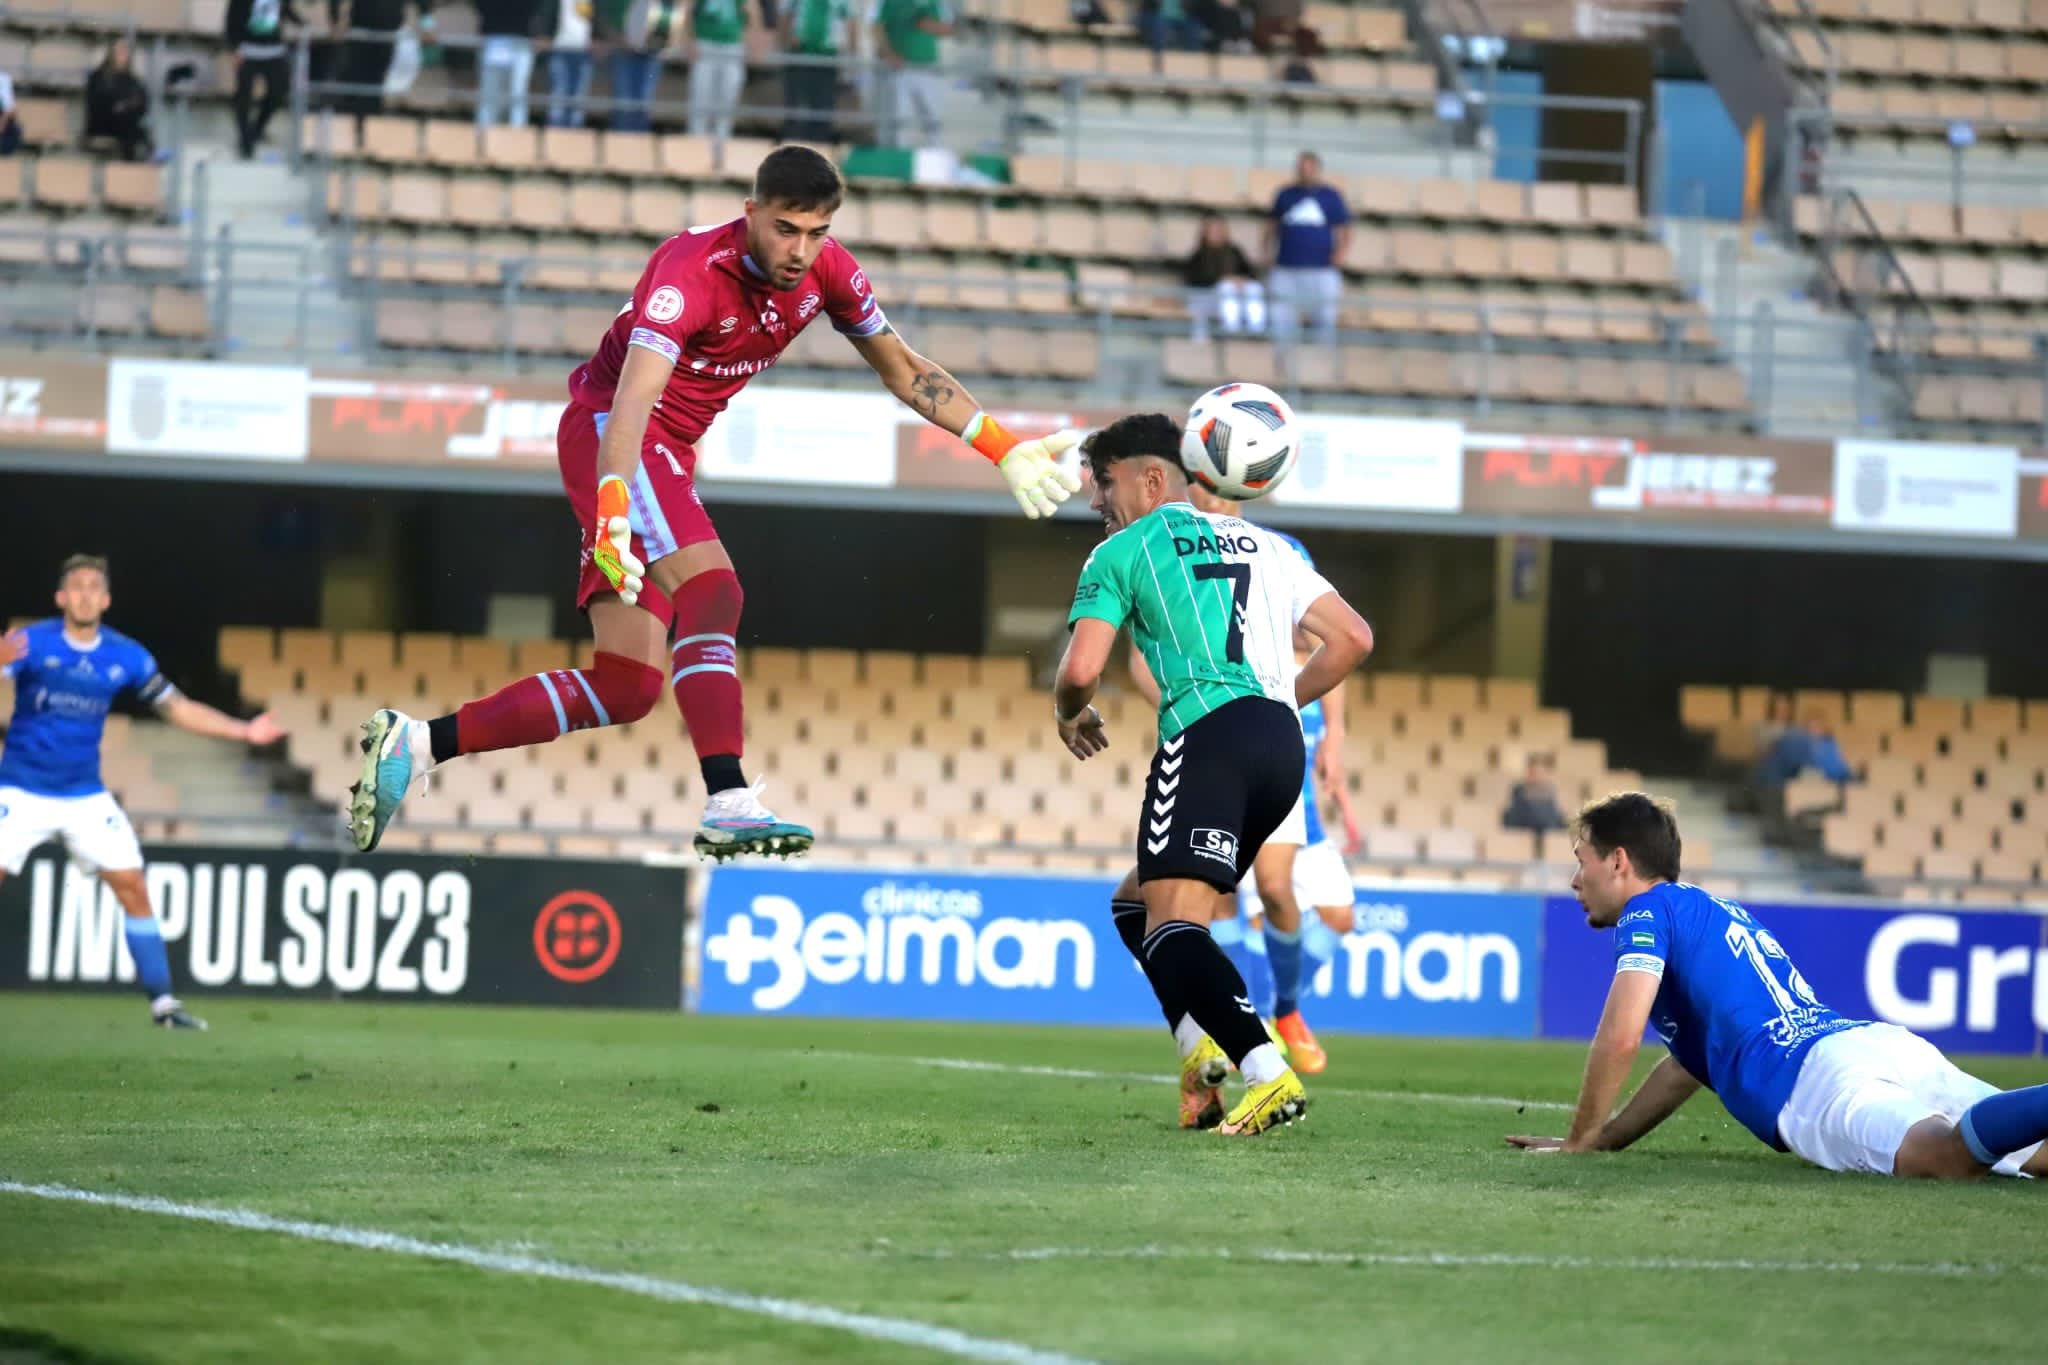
(1240, 441)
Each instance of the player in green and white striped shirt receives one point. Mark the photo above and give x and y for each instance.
(1212, 603)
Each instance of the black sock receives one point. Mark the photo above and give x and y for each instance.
(1204, 984)
(441, 738)
(721, 773)
(1129, 917)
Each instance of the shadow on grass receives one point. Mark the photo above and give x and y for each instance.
(19, 1347)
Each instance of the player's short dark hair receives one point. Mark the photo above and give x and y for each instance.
(800, 178)
(1129, 438)
(77, 562)
(1643, 825)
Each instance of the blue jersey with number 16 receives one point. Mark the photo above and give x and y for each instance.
(1730, 1005)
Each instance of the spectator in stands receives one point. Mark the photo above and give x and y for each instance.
(1532, 802)
(256, 31)
(717, 55)
(1307, 233)
(504, 67)
(1224, 23)
(1809, 746)
(1221, 284)
(636, 34)
(117, 104)
(814, 34)
(907, 36)
(1274, 23)
(569, 62)
(373, 27)
(1164, 24)
(1779, 720)
(10, 121)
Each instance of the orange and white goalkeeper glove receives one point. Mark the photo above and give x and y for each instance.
(611, 542)
(1031, 468)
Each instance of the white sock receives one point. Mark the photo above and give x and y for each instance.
(421, 743)
(163, 1004)
(1188, 1034)
(1262, 1064)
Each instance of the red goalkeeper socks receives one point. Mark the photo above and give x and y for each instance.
(705, 673)
(546, 706)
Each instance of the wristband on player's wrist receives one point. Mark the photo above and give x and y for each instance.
(988, 438)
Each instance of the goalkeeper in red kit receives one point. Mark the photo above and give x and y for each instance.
(715, 306)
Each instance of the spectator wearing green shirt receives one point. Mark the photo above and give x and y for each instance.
(908, 33)
(814, 35)
(718, 64)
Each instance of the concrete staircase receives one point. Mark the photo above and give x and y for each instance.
(270, 273)
(227, 794)
(1806, 366)
(1742, 863)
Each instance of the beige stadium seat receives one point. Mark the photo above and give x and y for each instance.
(394, 141)
(1705, 708)
(514, 149)
(2015, 865)
(1452, 692)
(446, 142)
(630, 154)
(1996, 715)
(1948, 865)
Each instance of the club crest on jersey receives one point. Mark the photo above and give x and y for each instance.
(808, 306)
(664, 304)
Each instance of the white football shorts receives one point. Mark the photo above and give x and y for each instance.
(94, 828)
(1861, 1090)
(1294, 829)
(1320, 877)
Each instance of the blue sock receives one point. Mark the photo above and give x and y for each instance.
(146, 945)
(1283, 950)
(1999, 1125)
(1259, 977)
(1318, 945)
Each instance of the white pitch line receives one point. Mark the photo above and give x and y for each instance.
(1457, 1260)
(900, 1331)
(1156, 1078)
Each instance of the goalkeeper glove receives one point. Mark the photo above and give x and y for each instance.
(1031, 468)
(611, 543)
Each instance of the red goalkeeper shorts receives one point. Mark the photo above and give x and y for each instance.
(667, 514)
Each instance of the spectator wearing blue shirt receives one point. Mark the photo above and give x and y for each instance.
(1307, 234)
(1797, 750)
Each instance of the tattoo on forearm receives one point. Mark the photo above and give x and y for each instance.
(931, 391)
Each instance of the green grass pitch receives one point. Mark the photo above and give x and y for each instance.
(839, 1166)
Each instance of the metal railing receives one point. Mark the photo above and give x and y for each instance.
(1866, 278)
(274, 299)
(1264, 123)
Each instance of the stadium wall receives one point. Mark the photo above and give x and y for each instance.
(935, 945)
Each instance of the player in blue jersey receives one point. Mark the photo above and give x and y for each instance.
(67, 671)
(1844, 1094)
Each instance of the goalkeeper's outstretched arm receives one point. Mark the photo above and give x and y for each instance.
(1031, 468)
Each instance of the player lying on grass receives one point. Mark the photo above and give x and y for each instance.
(1212, 603)
(715, 307)
(67, 672)
(1844, 1094)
